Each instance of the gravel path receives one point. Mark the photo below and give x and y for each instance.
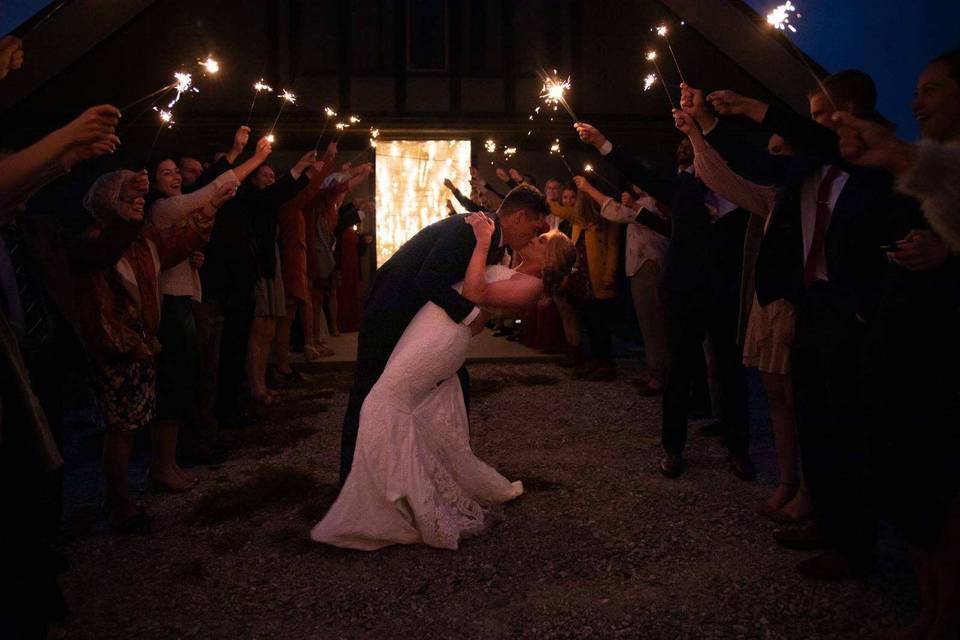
(600, 545)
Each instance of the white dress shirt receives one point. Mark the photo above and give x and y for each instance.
(808, 215)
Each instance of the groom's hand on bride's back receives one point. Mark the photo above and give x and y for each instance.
(478, 323)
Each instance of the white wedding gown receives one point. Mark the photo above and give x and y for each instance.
(414, 478)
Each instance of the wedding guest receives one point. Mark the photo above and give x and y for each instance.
(465, 202)
(11, 55)
(294, 254)
(693, 310)
(268, 294)
(768, 336)
(347, 254)
(179, 362)
(820, 253)
(643, 256)
(190, 169)
(108, 287)
(915, 331)
(591, 287)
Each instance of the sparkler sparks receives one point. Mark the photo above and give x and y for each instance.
(490, 146)
(554, 92)
(509, 152)
(166, 117)
(662, 31)
(286, 96)
(210, 65)
(779, 18)
(649, 81)
(651, 56)
(260, 86)
(329, 112)
(354, 120)
(270, 138)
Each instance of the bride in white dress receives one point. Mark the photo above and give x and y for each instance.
(414, 478)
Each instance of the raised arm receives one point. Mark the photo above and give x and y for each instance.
(715, 173)
(627, 163)
(515, 293)
(464, 201)
(177, 242)
(433, 281)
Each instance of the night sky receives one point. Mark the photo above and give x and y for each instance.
(890, 39)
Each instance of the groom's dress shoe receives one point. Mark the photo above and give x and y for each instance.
(831, 566)
(672, 466)
(809, 538)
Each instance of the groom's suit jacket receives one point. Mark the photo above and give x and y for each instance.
(423, 270)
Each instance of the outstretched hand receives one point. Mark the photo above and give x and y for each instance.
(482, 228)
(590, 134)
(872, 145)
(449, 184)
(730, 103)
(502, 174)
(224, 193)
(264, 147)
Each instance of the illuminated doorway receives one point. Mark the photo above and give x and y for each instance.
(410, 191)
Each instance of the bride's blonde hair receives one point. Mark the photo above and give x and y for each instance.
(558, 261)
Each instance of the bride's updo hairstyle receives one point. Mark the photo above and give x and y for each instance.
(558, 261)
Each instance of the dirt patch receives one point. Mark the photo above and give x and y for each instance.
(271, 486)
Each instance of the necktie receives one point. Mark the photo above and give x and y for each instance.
(820, 224)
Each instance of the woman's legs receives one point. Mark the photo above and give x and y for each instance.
(780, 399)
(117, 447)
(258, 349)
(164, 468)
(282, 343)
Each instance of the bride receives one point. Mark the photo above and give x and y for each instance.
(414, 477)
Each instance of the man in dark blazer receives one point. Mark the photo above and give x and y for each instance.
(424, 270)
(822, 251)
(699, 301)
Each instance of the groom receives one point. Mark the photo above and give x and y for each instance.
(424, 270)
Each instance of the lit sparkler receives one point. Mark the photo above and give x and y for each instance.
(258, 86)
(509, 152)
(649, 81)
(554, 93)
(588, 168)
(652, 57)
(555, 149)
(329, 113)
(662, 32)
(210, 65)
(490, 146)
(285, 97)
(779, 19)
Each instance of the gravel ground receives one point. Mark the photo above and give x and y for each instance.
(600, 545)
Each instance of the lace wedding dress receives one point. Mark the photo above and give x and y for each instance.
(414, 478)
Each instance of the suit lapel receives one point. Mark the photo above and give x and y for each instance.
(495, 255)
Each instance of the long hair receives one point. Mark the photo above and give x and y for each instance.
(559, 260)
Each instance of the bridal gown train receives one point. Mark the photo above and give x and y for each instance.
(414, 478)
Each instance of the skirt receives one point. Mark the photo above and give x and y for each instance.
(269, 297)
(769, 338)
(125, 393)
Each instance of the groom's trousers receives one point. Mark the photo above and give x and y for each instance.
(378, 336)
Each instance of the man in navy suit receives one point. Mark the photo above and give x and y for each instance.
(822, 252)
(425, 269)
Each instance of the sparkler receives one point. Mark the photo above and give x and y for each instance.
(554, 93)
(182, 82)
(343, 126)
(588, 168)
(329, 113)
(210, 65)
(490, 146)
(649, 81)
(374, 134)
(662, 32)
(652, 57)
(779, 19)
(555, 149)
(509, 152)
(285, 97)
(257, 88)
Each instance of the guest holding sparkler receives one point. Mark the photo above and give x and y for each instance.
(645, 250)
(821, 252)
(912, 347)
(295, 250)
(178, 364)
(694, 309)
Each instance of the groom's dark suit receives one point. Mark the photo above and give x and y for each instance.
(423, 270)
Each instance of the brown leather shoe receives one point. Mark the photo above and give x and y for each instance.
(809, 538)
(831, 566)
(672, 466)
